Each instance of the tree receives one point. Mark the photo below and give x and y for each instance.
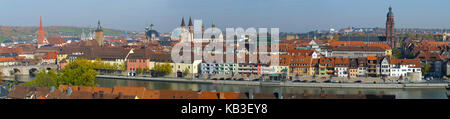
(185, 72)
(426, 68)
(411, 55)
(162, 69)
(139, 70)
(78, 72)
(45, 79)
(146, 70)
(396, 53)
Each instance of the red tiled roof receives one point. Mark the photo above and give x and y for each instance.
(125, 90)
(346, 43)
(51, 55)
(7, 59)
(428, 56)
(371, 57)
(415, 62)
(56, 41)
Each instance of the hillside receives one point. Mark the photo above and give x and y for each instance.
(30, 33)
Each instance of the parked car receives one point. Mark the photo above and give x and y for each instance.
(313, 81)
(358, 81)
(296, 81)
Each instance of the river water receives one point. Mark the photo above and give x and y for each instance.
(399, 93)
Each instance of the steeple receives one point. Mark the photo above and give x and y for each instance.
(40, 24)
(190, 22)
(99, 35)
(390, 29)
(390, 13)
(41, 34)
(213, 24)
(182, 22)
(99, 27)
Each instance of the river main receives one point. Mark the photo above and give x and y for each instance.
(158, 85)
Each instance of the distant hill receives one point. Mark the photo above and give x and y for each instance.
(26, 33)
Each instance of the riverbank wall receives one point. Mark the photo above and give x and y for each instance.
(287, 84)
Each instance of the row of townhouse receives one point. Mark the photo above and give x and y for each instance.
(244, 69)
(370, 66)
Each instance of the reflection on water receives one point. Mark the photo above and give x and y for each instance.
(19, 78)
(399, 93)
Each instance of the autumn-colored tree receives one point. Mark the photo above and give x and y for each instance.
(186, 72)
(45, 79)
(78, 72)
(162, 69)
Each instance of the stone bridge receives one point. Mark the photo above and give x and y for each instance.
(25, 69)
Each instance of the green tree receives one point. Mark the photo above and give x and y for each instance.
(186, 72)
(426, 68)
(411, 55)
(146, 70)
(139, 70)
(162, 69)
(397, 53)
(78, 72)
(44, 79)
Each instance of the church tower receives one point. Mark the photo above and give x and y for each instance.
(182, 28)
(191, 29)
(42, 40)
(99, 34)
(390, 31)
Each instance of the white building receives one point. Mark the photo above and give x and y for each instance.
(404, 67)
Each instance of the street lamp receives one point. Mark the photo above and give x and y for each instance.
(126, 57)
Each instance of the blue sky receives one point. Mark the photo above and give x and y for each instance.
(288, 15)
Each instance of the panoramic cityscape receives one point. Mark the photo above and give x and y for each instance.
(207, 56)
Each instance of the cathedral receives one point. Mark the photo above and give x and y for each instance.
(215, 33)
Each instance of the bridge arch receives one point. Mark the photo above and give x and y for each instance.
(33, 71)
(16, 70)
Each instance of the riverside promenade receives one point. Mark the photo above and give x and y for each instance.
(287, 84)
